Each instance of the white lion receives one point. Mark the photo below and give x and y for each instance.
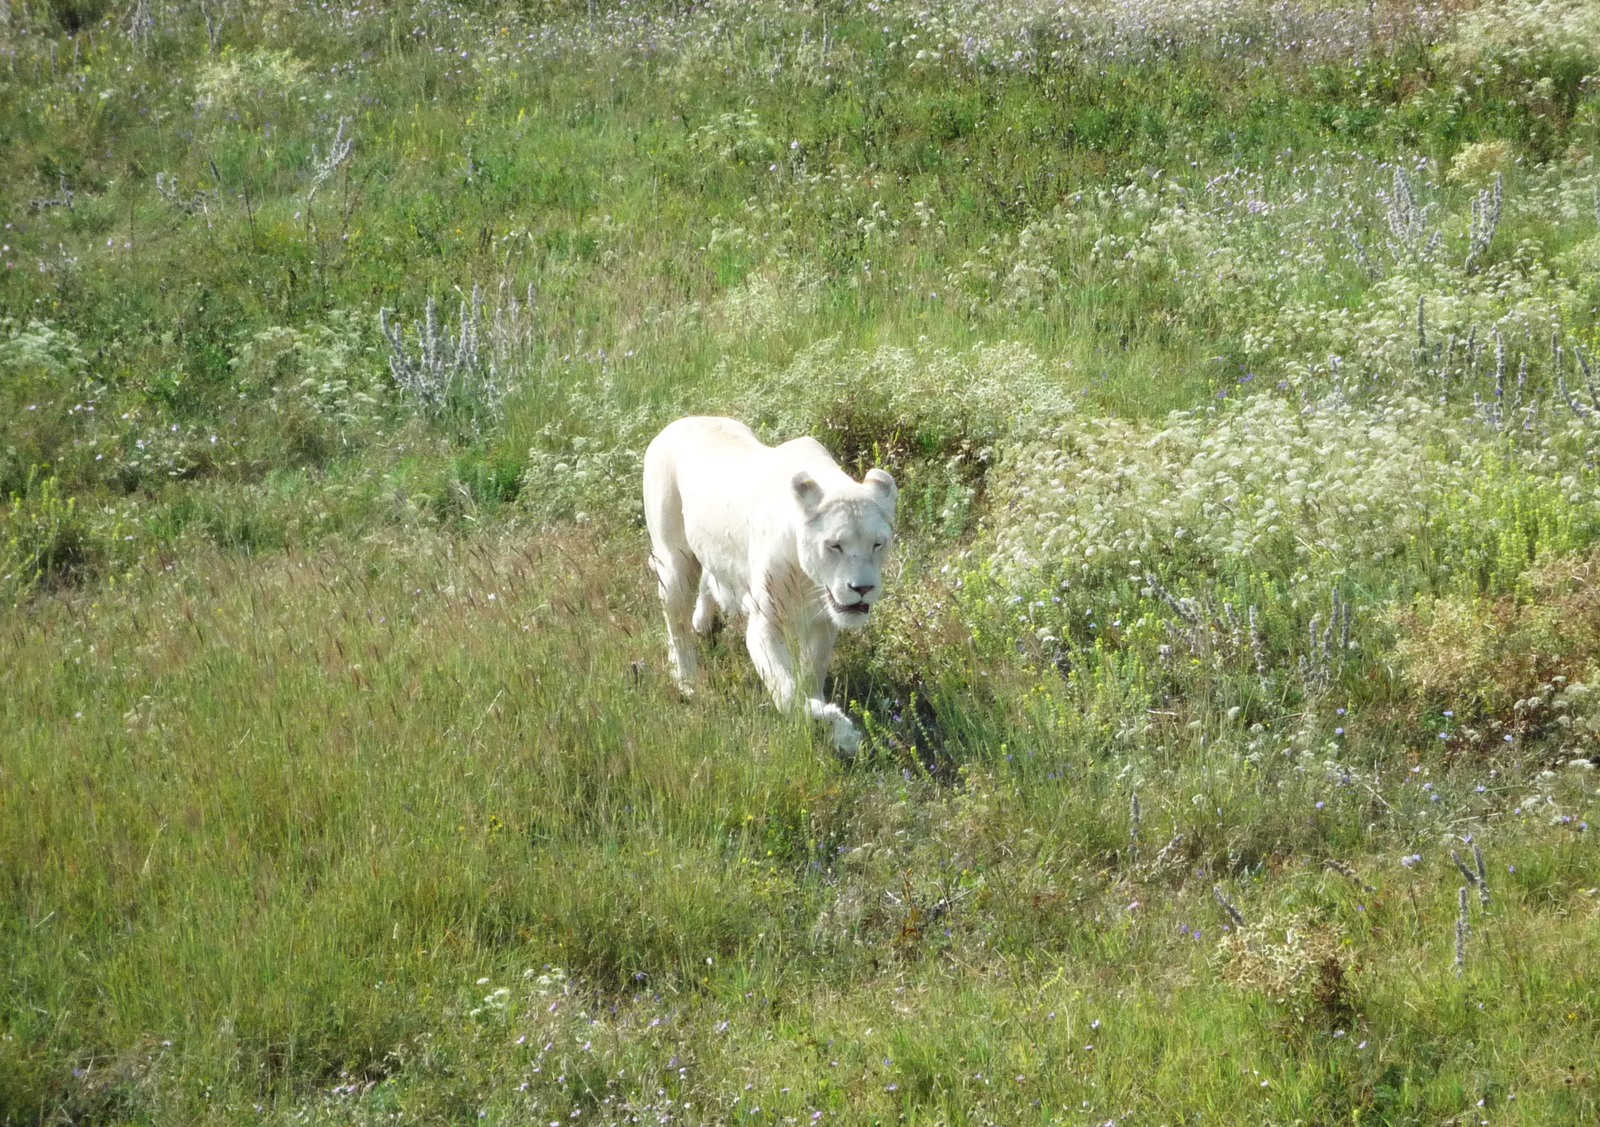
(781, 535)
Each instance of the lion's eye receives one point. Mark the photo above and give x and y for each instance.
(836, 548)
(877, 545)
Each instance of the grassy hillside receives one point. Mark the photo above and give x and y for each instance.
(1233, 715)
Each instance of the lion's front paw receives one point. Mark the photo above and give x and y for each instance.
(846, 737)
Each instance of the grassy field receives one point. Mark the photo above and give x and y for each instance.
(1232, 719)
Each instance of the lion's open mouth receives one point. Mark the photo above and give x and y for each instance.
(863, 607)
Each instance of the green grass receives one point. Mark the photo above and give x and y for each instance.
(343, 780)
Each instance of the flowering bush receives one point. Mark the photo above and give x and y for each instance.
(1265, 485)
(1536, 35)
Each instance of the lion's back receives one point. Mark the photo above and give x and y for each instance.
(700, 456)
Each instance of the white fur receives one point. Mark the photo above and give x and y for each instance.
(780, 535)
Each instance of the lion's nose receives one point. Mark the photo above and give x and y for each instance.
(861, 590)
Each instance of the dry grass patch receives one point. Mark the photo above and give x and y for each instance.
(1516, 667)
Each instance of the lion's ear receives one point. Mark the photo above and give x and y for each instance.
(806, 491)
(883, 485)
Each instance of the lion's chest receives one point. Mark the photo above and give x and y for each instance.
(749, 569)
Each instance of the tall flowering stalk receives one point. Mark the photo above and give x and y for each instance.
(462, 369)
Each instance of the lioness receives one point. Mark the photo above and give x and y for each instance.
(781, 535)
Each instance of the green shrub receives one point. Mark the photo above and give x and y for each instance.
(44, 540)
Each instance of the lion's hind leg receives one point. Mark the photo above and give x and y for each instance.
(679, 576)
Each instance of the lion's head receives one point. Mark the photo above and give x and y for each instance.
(843, 539)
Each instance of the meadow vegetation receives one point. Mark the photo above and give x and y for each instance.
(1233, 715)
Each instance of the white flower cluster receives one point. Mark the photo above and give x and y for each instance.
(1133, 234)
(1529, 31)
(323, 366)
(1029, 34)
(233, 81)
(734, 138)
(40, 345)
(1262, 486)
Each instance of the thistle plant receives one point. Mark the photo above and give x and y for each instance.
(169, 188)
(1258, 647)
(1410, 234)
(1228, 906)
(1477, 875)
(1496, 412)
(462, 370)
(324, 165)
(1219, 638)
(1187, 610)
(216, 16)
(1583, 410)
(64, 198)
(1169, 851)
(1321, 661)
(1483, 221)
(140, 23)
